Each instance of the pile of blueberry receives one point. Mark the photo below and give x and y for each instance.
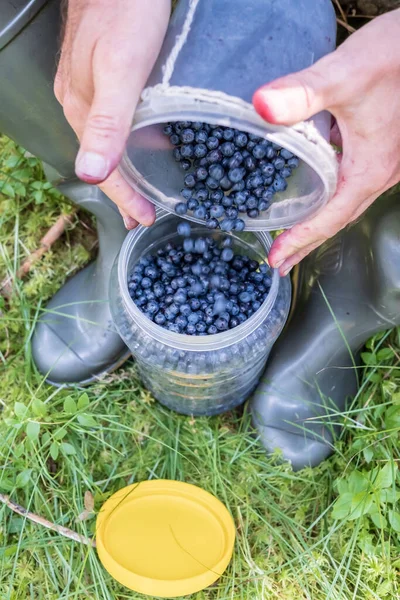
(199, 287)
(229, 172)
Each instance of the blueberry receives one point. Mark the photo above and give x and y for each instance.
(228, 149)
(187, 136)
(218, 133)
(188, 244)
(181, 321)
(201, 174)
(194, 304)
(192, 204)
(186, 193)
(184, 229)
(216, 171)
(236, 160)
(200, 150)
(229, 134)
(187, 151)
(174, 328)
(286, 172)
(152, 307)
(181, 208)
(168, 129)
(159, 318)
(271, 153)
(263, 205)
(190, 180)
(241, 139)
(251, 202)
(234, 322)
(212, 223)
(215, 156)
(217, 211)
(151, 272)
(185, 164)
(293, 163)
(231, 212)
(286, 154)
(253, 213)
(268, 169)
(221, 324)
(216, 196)
(201, 327)
(212, 330)
(190, 329)
(201, 195)
(259, 151)
(201, 136)
(227, 225)
(237, 174)
(278, 163)
(146, 282)
(279, 184)
(227, 254)
(225, 182)
(174, 139)
(200, 245)
(176, 153)
(212, 183)
(227, 201)
(185, 309)
(250, 163)
(200, 212)
(212, 143)
(193, 318)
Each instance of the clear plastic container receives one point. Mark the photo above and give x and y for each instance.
(215, 55)
(203, 375)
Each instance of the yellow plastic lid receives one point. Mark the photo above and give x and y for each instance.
(164, 538)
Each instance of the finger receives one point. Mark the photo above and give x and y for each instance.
(128, 221)
(350, 200)
(128, 200)
(298, 97)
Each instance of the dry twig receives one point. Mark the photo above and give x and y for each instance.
(64, 531)
(52, 235)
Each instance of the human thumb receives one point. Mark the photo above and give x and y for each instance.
(299, 96)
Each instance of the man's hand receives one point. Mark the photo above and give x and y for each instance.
(108, 51)
(359, 84)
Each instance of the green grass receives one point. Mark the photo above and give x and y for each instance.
(295, 540)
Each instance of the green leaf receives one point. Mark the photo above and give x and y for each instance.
(384, 354)
(392, 417)
(39, 408)
(33, 430)
(68, 449)
(389, 496)
(83, 401)
(358, 482)
(54, 450)
(394, 520)
(342, 506)
(368, 454)
(23, 175)
(23, 478)
(60, 434)
(8, 190)
(70, 405)
(342, 486)
(45, 437)
(20, 410)
(87, 420)
(376, 516)
(37, 185)
(369, 358)
(384, 477)
(360, 505)
(375, 378)
(38, 196)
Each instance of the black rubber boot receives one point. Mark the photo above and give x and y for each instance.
(347, 291)
(74, 342)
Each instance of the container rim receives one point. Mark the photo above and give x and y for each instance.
(303, 140)
(182, 341)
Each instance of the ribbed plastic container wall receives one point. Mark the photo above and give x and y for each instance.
(203, 375)
(215, 55)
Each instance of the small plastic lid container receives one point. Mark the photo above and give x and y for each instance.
(215, 55)
(165, 538)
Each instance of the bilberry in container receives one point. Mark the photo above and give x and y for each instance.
(196, 134)
(207, 373)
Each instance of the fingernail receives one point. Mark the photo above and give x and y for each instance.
(279, 264)
(129, 223)
(286, 271)
(276, 103)
(91, 164)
